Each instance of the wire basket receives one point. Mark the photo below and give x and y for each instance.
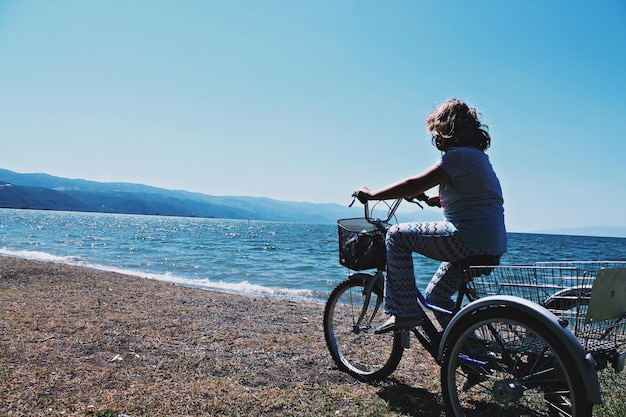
(361, 244)
(567, 290)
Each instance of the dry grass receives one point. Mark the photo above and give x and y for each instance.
(81, 342)
(77, 341)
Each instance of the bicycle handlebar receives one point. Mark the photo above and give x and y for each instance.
(392, 208)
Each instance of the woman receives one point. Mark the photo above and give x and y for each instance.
(473, 225)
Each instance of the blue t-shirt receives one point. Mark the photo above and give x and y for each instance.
(472, 199)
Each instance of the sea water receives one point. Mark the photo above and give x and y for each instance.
(286, 260)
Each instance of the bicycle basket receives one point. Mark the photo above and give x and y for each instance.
(361, 244)
(568, 290)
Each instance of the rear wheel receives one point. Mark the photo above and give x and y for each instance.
(349, 322)
(499, 362)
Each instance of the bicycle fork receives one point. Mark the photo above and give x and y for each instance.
(364, 322)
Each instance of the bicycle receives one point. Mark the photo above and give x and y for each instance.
(521, 340)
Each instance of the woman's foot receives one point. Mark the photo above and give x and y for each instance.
(394, 323)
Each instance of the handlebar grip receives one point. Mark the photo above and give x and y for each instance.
(421, 197)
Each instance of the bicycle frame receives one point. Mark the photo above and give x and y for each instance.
(431, 338)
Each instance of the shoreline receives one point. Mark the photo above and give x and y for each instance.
(306, 296)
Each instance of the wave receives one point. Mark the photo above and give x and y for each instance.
(243, 287)
(40, 256)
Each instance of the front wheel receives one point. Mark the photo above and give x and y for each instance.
(499, 362)
(350, 317)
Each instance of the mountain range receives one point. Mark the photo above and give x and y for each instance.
(47, 192)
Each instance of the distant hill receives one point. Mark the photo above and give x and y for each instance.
(47, 192)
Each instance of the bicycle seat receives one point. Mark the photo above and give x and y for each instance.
(478, 260)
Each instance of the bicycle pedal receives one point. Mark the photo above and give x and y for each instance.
(618, 362)
(405, 338)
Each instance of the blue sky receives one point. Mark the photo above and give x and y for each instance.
(309, 100)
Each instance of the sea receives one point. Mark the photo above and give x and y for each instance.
(293, 261)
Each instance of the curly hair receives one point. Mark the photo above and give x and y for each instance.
(454, 123)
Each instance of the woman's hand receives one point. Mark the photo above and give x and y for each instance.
(434, 201)
(364, 194)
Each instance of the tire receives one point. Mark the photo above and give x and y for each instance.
(355, 348)
(503, 362)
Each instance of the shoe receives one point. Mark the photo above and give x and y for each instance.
(480, 352)
(478, 360)
(394, 323)
(473, 379)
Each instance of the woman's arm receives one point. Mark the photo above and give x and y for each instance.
(407, 188)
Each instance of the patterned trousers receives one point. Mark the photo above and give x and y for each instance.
(434, 240)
